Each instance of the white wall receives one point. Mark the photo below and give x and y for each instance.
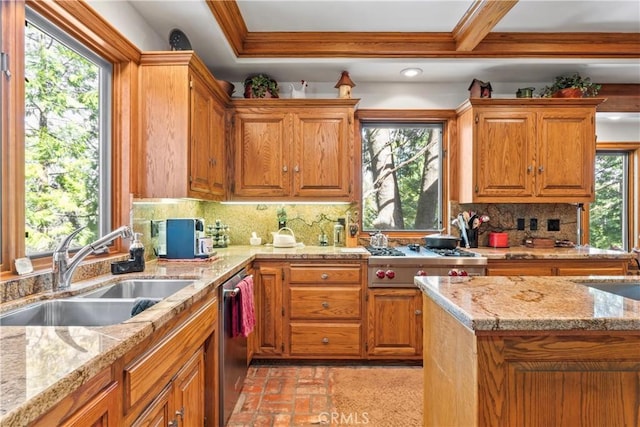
(130, 23)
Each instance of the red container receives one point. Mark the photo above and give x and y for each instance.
(498, 240)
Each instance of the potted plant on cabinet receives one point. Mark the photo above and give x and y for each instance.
(573, 86)
(260, 86)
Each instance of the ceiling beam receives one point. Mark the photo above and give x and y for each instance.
(307, 44)
(478, 21)
(621, 98)
(230, 20)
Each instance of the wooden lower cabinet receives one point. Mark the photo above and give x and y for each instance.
(528, 378)
(394, 323)
(557, 267)
(309, 310)
(173, 381)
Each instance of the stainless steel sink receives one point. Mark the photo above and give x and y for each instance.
(70, 312)
(626, 290)
(139, 288)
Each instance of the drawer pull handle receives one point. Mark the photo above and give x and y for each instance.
(325, 304)
(324, 276)
(325, 340)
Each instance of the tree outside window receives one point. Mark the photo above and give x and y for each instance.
(401, 176)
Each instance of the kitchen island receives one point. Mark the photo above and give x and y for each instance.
(516, 351)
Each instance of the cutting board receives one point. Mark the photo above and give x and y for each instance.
(539, 242)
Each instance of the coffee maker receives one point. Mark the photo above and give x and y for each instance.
(183, 238)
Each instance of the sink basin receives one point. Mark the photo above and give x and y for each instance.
(626, 290)
(139, 288)
(70, 312)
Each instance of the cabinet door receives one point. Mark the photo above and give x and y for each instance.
(504, 150)
(322, 157)
(188, 392)
(200, 130)
(395, 322)
(262, 144)
(269, 310)
(566, 154)
(217, 151)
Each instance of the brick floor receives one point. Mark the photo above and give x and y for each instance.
(283, 396)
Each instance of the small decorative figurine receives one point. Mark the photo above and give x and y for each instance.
(344, 85)
(479, 89)
(299, 93)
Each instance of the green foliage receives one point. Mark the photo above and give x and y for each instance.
(260, 84)
(574, 80)
(61, 143)
(606, 213)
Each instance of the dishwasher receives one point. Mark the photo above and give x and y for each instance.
(232, 354)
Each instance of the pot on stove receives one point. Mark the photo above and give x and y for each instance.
(441, 241)
(379, 241)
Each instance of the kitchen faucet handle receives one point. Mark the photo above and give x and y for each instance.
(63, 246)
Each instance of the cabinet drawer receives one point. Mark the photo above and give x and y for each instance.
(325, 274)
(325, 339)
(336, 302)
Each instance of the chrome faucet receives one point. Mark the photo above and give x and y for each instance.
(63, 266)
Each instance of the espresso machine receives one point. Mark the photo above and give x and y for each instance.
(184, 237)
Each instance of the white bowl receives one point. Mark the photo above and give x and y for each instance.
(255, 241)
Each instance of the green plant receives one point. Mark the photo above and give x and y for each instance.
(260, 84)
(576, 81)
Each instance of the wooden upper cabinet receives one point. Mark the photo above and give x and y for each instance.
(527, 150)
(293, 149)
(183, 134)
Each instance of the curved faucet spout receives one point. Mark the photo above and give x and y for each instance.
(64, 267)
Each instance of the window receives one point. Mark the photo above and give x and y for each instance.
(402, 175)
(608, 219)
(67, 138)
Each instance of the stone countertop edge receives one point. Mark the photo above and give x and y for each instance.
(16, 409)
(526, 253)
(528, 303)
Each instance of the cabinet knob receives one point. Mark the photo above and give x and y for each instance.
(418, 312)
(529, 169)
(325, 340)
(324, 276)
(285, 168)
(541, 169)
(172, 423)
(296, 169)
(325, 304)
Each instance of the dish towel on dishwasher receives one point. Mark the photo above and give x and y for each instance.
(243, 311)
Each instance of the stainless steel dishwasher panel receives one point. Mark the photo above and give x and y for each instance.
(232, 354)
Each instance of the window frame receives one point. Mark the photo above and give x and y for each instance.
(105, 117)
(382, 116)
(632, 149)
(81, 22)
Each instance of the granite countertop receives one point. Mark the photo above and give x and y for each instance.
(527, 303)
(41, 365)
(525, 253)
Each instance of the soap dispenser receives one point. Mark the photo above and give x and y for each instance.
(136, 253)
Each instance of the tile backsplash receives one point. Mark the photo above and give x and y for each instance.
(307, 221)
(504, 218)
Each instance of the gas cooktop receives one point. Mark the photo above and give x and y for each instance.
(414, 254)
(416, 250)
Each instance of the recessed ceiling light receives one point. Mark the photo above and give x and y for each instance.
(411, 72)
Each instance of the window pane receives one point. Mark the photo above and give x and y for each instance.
(63, 145)
(401, 176)
(607, 215)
